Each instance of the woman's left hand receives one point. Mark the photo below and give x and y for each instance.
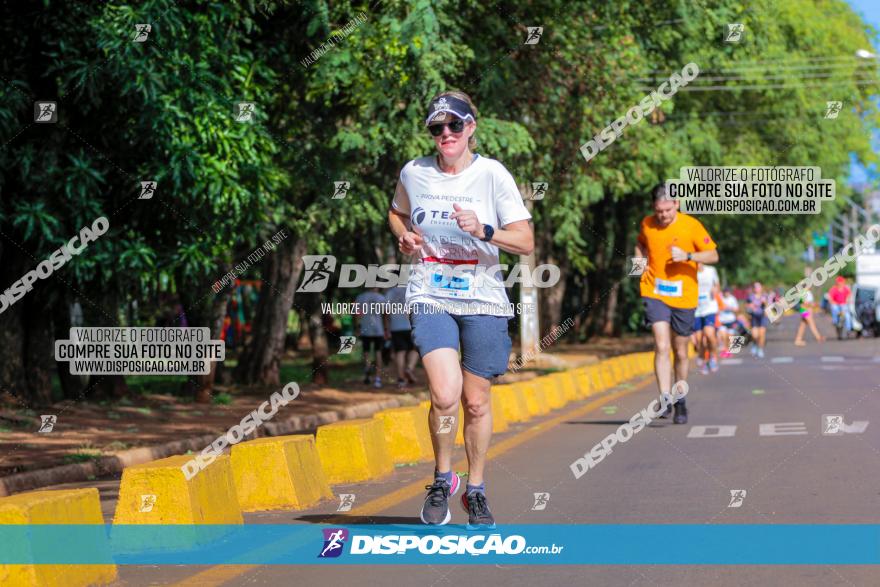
(468, 221)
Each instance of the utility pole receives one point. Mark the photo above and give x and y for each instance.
(529, 330)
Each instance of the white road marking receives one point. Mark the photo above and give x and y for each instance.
(731, 361)
(782, 360)
(832, 359)
(782, 429)
(857, 427)
(711, 431)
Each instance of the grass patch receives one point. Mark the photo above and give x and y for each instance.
(81, 457)
(85, 453)
(222, 399)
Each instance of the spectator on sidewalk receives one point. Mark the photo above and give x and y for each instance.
(405, 354)
(370, 310)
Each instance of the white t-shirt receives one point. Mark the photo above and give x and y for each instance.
(396, 297)
(371, 320)
(450, 258)
(706, 302)
(728, 312)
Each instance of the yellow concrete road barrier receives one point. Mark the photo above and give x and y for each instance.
(278, 472)
(632, 368)
(353, 450)
(407, 434)
(536, 398)
(569, 386)
(499, 419)
(158, 493)
(608, 374)
(600, 378)
(552, 391)
(618, 368)
(67, 506)
(512, 401)
(584, 383)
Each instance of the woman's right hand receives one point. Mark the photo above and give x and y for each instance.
(409, 242)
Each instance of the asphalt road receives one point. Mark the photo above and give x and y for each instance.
(756, 425)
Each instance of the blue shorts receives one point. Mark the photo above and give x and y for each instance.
(700, 322)
(482, 338)
(760, 320)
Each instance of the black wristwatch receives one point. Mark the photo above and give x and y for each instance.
(690, 257)
(490, 232)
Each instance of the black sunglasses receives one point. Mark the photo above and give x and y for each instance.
(456, 126)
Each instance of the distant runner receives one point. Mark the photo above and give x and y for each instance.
(708, 286)
(805, 308)
(756, 305)
(674, 243)
(727, 318)
(373, 333)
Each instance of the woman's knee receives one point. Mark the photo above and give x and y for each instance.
(477, 405)
(445, 398)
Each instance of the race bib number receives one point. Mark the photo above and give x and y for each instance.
(670, 289)
(451, 281)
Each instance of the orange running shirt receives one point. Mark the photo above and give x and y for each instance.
(673, 283)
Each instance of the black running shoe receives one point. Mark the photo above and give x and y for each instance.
(681, 413)
(479, 515)
(667, 412)
(435, 510)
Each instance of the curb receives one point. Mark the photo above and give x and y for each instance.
(116, 462)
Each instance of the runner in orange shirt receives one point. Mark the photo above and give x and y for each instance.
(673, 243)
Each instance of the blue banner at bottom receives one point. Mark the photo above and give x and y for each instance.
(604, 544)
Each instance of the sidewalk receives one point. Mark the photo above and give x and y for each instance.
(93, 440)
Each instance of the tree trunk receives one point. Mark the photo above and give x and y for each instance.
(551, 298)
(39, 347)
(103, 312)
(597, 282)
(72, 386)
(260, 362)
(617, 267)
(318, 339)
(205, 383)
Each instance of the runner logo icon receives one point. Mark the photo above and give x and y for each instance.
(341, 189)
(535, 33)
(346, 500)
(45, 112)
(734, 33)
(147, 503)
(334, 540)
(142, 31)
(639, 264)
(736, 344)
(318, 269)
(737, 496)
(541, 500)
(539, 190)
(148, 188)
(346, 345)
(832, 109)
(47, 423)
(446, 424)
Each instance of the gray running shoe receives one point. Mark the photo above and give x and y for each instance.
(435, 510)
(479, 515)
